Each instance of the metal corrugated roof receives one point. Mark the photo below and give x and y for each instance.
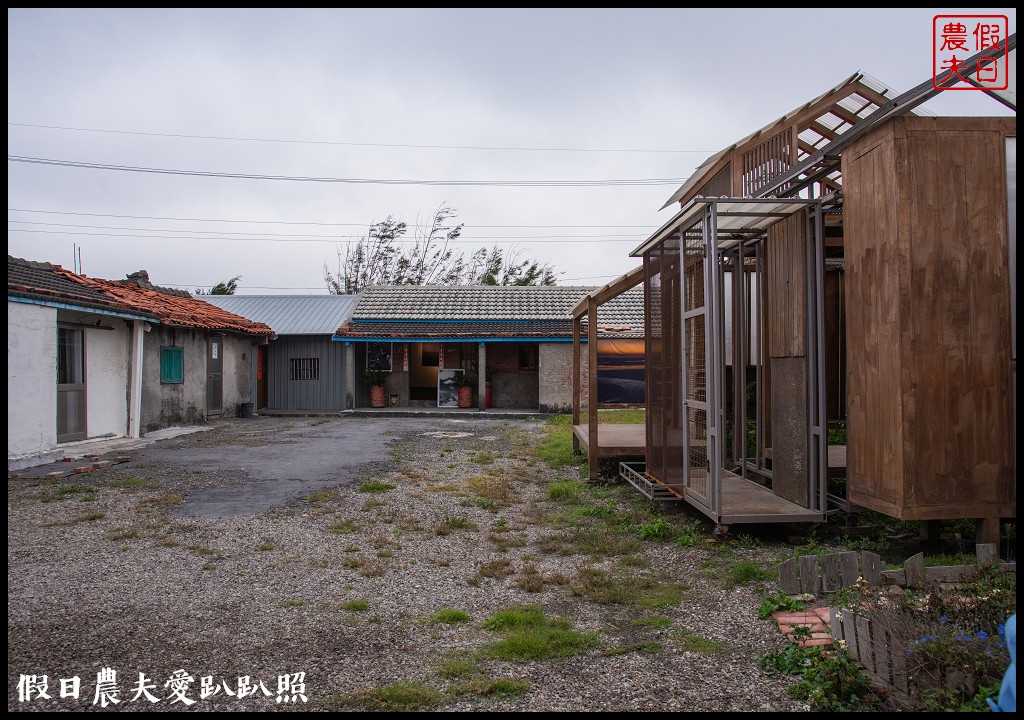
(291, 314)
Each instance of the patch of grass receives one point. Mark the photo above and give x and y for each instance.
(689, 642)
(161, 500)
(745, 573)
(449, 616)
(351, 548)
(457, 667)
(658, 622)
(491, 492)
(491, 687)
(394, 697)
(375, 487)
(605, 588)
(499, 568)
(385, 553)
(291, 603)
(345, 527)
(121, 533)
(529, 636)
(556, 446)
(648, 647)
(691, 535)
(66, 490)
(482, 458)
(324, 495)
(603, 542)
(372, 570)
(265, 547)
(657, 529)
(356, 605)
(567, 491)
(454, 523)
(530, 579)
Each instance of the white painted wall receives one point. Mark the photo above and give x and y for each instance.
(31, 380)
(106, 379)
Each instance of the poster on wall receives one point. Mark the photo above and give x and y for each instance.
(378, 356)
(448, 387)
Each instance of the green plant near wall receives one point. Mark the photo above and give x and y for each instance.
(375, 378)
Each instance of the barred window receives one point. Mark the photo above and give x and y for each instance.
(304, 368)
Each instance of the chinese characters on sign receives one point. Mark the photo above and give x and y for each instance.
(178, 688)
(957, 38)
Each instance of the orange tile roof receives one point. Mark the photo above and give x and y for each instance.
(173, 307)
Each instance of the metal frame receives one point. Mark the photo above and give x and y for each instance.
(734, 244)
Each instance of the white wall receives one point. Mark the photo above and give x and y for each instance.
(106, 379)
(31, 381)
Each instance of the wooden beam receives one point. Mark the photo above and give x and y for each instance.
(575, 380)
(592, 453)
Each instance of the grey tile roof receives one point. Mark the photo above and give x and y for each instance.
(486, 311)
(468, 302)
(469, 330)
(290, 314)
(42, 281)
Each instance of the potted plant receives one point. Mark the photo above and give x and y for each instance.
(465, 383)
(375, 379)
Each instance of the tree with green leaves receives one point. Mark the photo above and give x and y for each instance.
(222, 288)
(385, 257)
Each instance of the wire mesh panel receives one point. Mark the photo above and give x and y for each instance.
(694, 346)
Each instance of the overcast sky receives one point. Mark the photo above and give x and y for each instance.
(431, 96)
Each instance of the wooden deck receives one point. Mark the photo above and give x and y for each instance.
(614, 439)
(743, 501)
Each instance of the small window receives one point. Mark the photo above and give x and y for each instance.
(528, 357)
(304, 368)
(172, 364)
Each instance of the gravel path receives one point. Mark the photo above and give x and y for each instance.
(119, 569)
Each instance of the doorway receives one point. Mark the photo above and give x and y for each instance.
(71, 408)
(215, 376)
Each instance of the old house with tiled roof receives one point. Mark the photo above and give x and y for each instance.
(515, 342)
(90, 358)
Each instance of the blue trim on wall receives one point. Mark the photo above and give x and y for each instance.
(80, 308)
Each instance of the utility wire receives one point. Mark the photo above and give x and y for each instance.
(352, 181)
(351, 144)
(292, 222)
(629, 239)
(304, 235)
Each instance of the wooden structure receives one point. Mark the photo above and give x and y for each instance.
(847, 202)
(598, 439)
(931, 382)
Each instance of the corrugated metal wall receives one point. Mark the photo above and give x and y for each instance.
(325, 393)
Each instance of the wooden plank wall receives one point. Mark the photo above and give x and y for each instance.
(927, 275)
(785, 307)
(874, 458)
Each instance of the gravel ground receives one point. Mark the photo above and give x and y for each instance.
(115, 569)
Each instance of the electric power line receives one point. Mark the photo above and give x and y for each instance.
(301, 235)
(350, 144)
(629, 239)
(293, 222)
(354, 181)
